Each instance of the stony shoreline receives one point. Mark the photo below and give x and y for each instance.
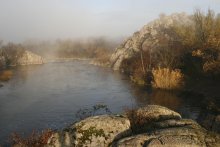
(152, 125)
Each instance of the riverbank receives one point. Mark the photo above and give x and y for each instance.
(151, 125)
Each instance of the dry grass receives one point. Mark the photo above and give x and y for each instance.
(36, 139)
(139, 123)
(212, 68)
(165, 78)
(5, 75)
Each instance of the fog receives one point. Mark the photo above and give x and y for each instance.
(64, 19)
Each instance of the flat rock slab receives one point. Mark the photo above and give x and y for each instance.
(156, 113)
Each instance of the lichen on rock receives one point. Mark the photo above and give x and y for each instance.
(93, 131)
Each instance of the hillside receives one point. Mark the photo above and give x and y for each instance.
(172, 49)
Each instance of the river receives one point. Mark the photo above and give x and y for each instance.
(49, 95)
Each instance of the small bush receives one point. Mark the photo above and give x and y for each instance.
(165, 78)
(97, 109)
(5, 75)
(36, 139)
(212, 68)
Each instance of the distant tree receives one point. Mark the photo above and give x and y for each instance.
(12, 52)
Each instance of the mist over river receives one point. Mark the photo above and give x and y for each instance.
(49, 95)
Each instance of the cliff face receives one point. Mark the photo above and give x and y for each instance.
(29, 58)
(148, 35)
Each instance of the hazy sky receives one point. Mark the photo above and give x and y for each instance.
(52, 19)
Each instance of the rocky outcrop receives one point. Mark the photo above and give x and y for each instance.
(148, 36)
(29, 58)
(187, 134)
(165, 128)
(93, 131)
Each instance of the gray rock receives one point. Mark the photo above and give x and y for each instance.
(189, 135)
(167, 129)
(93, 131)
(156, 113)
(174, 123)
(29, 58)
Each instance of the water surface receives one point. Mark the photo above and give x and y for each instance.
(49, 95)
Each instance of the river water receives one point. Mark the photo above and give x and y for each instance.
(49, 95)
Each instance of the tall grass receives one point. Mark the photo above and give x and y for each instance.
(165, 78)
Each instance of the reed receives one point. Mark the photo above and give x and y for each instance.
(165, 78)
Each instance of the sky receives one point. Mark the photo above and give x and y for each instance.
(22, 20)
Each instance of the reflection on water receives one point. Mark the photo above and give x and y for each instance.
(165, 98)
(49, 95)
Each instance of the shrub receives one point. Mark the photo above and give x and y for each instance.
(212, 68)
(166, 78)
(97, 109)
(36, 139)
(5, 75)
(12, 52)
(138, 69)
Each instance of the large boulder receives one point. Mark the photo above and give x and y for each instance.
(152, 116)
(29, 58)
(188, 135)
(165, 128)
(93, 131)
(155, 113)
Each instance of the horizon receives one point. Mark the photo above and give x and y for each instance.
(50, 20)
